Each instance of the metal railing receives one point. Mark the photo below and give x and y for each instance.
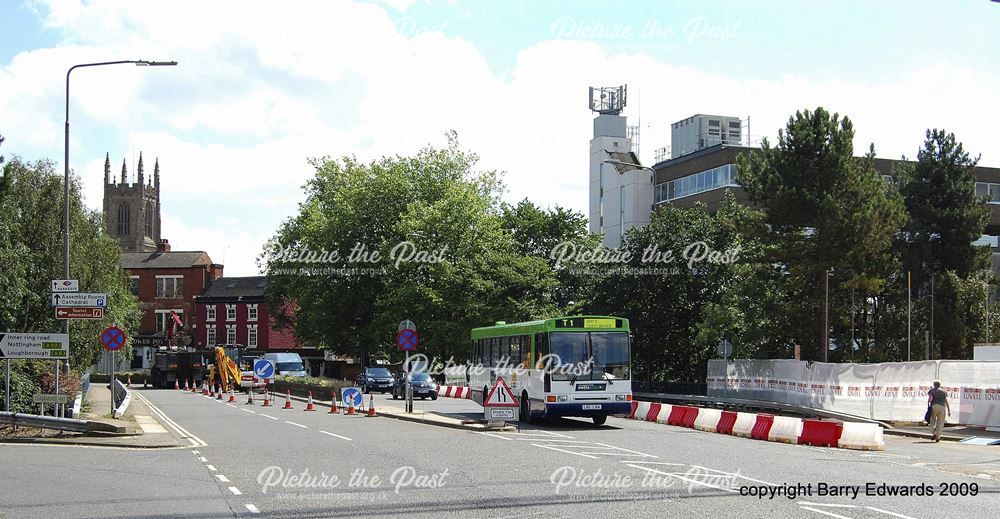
(44, 422)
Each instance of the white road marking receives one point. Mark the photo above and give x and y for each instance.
(252, 509)
(231, 405)
(496, 436)
(683, 478)
(832, 505)
(737, 475)
(248, 411)
(192, 439)
(235, 491)
(222, 478)
(337, 436)
(547, 440)
(566, 451)
(550, 433)
(202, 459)
(626, 450)
(654, 462)
(268, 416)
(894, 514)
(210, 467)
(297, 424)
(831, 514)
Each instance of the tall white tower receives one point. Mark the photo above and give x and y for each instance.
(621, 190)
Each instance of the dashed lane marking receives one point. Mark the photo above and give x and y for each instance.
(297, 424)
(268, 416)
(210, 467)
(336, 436)
(252, 509)
(222, 478)
(235, 491)
(818, 511)
(248, 411)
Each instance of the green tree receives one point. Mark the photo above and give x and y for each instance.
(825, 210)
(431, 203)
(946, 217)
(31, 254)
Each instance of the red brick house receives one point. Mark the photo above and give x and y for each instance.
(166, 281)
(234, 311)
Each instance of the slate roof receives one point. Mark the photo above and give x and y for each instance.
(164, 260)
(232, 288)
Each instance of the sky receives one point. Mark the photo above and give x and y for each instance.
(262, 87)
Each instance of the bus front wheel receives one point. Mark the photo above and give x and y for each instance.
(600, 419)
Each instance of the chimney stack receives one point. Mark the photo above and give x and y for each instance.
(163, 246)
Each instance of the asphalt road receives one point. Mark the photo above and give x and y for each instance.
(249, 461)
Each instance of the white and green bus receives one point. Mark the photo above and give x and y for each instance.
(565, 366)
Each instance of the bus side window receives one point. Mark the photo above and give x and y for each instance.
(541, 347)
(515, 350)
(494, 351)
(525, 350)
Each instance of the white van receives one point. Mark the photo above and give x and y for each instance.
(287, 364)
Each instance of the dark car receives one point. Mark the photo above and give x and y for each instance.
(375, 379)
(423, 386)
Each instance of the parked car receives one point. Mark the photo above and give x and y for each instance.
(423, 386)
(375, 379)
(287, 364)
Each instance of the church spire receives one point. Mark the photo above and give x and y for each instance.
(156, 174)
(107, 168)
(124, 173)
(139, 179)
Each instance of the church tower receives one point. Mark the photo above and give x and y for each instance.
(132, 211)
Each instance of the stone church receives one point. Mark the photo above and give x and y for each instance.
(132, 211)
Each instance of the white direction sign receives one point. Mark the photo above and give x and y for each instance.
(65, 285)
(34, 346)
(80, 299)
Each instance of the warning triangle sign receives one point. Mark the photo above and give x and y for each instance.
(500, 395)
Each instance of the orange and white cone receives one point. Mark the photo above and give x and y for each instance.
(309, 403)
(371, 405)
(288, 400)
(267, 397)
(350, 408)
(129, 383)
(333, 403)
(250, 398)
(186, 388)
(194, 386)
(204, 388)
(232, 394)
(219, 393)
(176, 384)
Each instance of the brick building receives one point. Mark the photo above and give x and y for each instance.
(234, 311)
(166, 281)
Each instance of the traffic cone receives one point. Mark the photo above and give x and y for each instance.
(219, 392)
(186, 388)
(350, 408)
(267, 397)
(145, 382)
(288, 400)
(204, 388)
(176, 384)
(194, 387)
(129, 383)
(309, 403)
(250, 398)
(333, 403)
(371, 405)
(232, 394)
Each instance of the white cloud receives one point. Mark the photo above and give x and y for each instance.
(258, 91)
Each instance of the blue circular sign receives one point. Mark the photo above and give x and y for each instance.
(407, 339)
(113, 338)
(352, 395)
(263, 368)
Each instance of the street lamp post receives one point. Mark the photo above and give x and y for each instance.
(138, 63)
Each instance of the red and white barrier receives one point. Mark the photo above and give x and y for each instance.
(763, 426)
(453, 391)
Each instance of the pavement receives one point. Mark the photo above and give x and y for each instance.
(954, 433)
(247, 461)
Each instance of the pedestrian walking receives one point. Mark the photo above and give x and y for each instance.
(937, 400)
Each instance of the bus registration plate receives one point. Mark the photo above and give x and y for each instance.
(591, 407)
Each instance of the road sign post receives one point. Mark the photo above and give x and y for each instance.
(407, 340)
(501, 405)
(113, 338)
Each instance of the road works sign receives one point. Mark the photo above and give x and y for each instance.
(263, 369)
(80, 299)
(500, 395)
(352, 395)
(34, 345)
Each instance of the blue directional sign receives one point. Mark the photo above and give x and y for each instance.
(263, 368)
(352, 395)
